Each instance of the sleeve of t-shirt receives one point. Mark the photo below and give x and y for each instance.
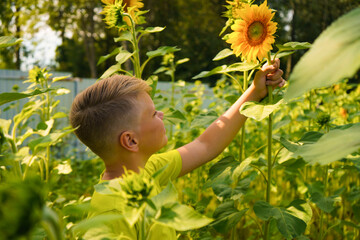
(157, 161)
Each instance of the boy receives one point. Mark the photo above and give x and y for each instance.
(117, 120)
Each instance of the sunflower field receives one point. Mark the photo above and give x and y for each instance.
(292, 172)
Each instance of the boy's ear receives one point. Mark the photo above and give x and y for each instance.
(129, 141)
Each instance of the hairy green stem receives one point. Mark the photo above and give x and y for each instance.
(137, 66)
(269, 156)
(321, 211)
(143, 227)
(172, 100)
(242, 136)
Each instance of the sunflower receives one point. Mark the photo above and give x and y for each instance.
(253, 33)
(115, 8)
(235, 7)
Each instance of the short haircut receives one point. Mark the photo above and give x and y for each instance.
(105, 108)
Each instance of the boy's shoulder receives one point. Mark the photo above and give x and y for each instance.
(168, 163)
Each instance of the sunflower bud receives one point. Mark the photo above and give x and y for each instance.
(323, 119)
(114, 14)
(135, 188)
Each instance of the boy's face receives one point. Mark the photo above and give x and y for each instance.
(151, 131)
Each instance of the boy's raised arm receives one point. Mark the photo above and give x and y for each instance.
(222, 131)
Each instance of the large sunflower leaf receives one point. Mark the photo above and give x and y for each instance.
(332, 146)
(334, 56)
(259, 111)
(181, 217)
(227, 216)
(287, 220)
(13, 96)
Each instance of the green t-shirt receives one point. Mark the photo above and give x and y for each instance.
(107, 204)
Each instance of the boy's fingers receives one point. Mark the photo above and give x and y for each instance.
(275, 82)
(271, 68)
(282, 83)
(275, 75)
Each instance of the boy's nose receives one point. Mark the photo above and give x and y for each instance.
(161, 115)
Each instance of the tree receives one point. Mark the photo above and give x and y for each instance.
(16, 18)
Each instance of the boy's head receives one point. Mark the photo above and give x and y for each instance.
(105, 109)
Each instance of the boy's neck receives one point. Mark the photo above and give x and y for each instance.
(116, 168)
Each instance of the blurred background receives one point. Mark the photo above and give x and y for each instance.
(70, 36)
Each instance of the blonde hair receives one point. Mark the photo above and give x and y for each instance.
(105, 108)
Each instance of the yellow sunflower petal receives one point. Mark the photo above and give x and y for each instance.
(253, 34)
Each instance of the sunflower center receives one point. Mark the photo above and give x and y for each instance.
(256, 33)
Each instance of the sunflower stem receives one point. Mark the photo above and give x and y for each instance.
(269, 157)
(242, 137)
(137, 68)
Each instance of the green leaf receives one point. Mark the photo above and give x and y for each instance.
(242, 166)
(291, 46)
(56, 79)
(52, 224)
(289, 225)
(153, 29)
(223, 54)
(174, 116)
(13, 96)
(5, 125)
(181, 61)
(292, 147)
(123, 56)
(152, 81)
(236, 67)
(125, 36)
(334, 56)
(96, 221)
(168, 195)
(220, 166)
(7, 41)
(104, 58)
(204, 119)
(324, 203)
(41, 142)
(300, 209)
(281, 54)
(161, 51)
(111, 70)
(310, 137)
(227, 216)
(181, 217)
(356, 211)
(259, 111)
(242, 67)
(28, 109)
(59, 115)
(263, 210)
(332, 146)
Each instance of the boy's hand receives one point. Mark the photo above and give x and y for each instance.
(268, 75)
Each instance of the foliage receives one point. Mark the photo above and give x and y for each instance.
(314, 186)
